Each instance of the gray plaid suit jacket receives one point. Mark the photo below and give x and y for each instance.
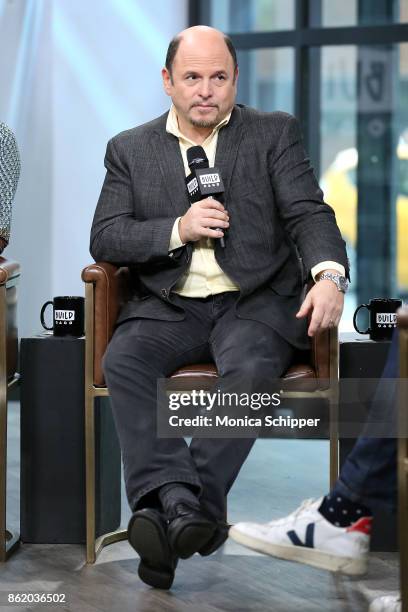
(280, 226)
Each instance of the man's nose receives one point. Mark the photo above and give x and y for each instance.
(205, 90)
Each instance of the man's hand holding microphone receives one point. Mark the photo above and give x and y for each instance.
(205, 218)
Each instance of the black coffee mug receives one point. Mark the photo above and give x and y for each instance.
(68, 315)
(383, 318)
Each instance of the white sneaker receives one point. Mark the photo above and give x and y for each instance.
(386, 603)
(307, 537)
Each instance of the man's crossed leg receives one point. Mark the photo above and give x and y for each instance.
(177, 492)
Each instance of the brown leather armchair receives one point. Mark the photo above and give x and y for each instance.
(105, 289)
(9, 276)
(403, 456)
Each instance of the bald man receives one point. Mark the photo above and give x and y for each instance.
(195, 301)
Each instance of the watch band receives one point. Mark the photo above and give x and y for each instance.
(339, 280)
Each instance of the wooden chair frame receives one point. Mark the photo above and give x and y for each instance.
(9, 276)
(403, 456)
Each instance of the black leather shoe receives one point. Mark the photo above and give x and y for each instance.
(217, 540)
(147, 534)
(189, 530)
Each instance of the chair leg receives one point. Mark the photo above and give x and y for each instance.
(402, 518)
(334, 441)
(3, 475)
(94, 545)
(8, 541)
(90, 476)
(403, 466)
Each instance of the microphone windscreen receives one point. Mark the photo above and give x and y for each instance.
(197, 158)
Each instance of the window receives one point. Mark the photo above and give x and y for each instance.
(266, 78)
(342, 69)
(252, 15)
(346, 12)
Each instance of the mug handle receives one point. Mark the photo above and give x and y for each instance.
(368, 330)
(42, 315)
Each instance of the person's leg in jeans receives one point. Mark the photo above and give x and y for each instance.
(333, 532)
(369, 475)
(140, 352)
(248, 355)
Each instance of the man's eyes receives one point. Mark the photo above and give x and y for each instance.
(193, 77)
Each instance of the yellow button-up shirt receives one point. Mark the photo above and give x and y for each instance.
(204, 276)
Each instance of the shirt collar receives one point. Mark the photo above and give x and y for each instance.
(173, 128)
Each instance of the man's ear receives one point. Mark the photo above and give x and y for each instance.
(166, 81)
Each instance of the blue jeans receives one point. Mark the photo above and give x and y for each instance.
(369, 474)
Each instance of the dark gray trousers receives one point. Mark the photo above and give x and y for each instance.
(143, 350)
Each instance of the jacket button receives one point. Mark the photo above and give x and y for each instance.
(164, 292)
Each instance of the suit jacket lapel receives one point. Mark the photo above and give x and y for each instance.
(229, 139)
(170, 162)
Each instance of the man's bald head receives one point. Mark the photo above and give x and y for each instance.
(201, 78)
(194, 36)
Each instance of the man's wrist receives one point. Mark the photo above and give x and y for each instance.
(175, 240)
(331, 270)
(335, 277)
(326, 265)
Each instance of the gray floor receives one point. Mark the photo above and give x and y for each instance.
(278, 475)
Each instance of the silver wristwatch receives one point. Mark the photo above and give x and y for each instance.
(340, 281)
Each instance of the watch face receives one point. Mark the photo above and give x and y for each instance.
(343, 283)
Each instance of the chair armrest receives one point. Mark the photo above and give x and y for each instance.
(109, 289)
(402, 318)
(321, 354)
(322, 348)
(9, 271)
(402, 322)
(9, 277)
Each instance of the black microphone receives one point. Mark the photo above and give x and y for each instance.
(196, 158)
(203, 181)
